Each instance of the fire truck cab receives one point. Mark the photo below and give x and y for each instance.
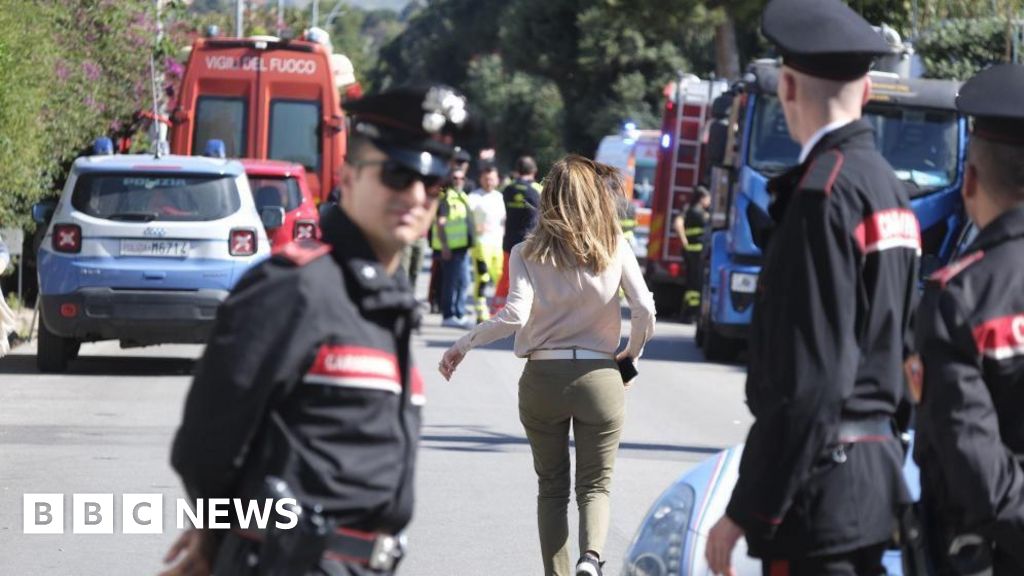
(265, 98)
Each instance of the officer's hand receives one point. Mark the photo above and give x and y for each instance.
(446, 254)
(721, 541)
(451, 359)
(192, 553)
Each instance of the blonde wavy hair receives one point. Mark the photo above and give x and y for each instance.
(578, 225)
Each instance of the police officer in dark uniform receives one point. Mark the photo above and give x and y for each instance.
(970, 335)
(820, 479)
(307, 387)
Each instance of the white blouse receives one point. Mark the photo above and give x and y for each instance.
(550, 308)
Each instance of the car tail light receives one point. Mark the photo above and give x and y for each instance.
(674, 269)
(242, 242)
(67, 238)
(304, 230)
(69, 310)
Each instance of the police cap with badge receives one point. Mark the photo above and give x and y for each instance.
(989, 96)
(415, 126)
(822, 38)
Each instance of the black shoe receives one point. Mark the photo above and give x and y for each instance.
(589, 565)
(14, 340)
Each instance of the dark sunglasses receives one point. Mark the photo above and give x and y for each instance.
(398, 177)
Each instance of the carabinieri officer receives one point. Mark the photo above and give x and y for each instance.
(820, 478)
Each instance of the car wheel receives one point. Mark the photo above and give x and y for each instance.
(54, 352)
(719, 348)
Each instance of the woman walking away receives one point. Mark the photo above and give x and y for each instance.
(563, 307)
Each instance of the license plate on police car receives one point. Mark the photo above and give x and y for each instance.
(159, 248)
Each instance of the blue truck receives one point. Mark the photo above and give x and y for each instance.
(919, 132)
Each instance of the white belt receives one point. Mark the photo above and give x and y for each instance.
(570, 354)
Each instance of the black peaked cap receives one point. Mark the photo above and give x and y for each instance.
(822, 38)
(414, 125)
(995, 97)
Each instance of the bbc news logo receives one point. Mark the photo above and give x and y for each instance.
(144, 513)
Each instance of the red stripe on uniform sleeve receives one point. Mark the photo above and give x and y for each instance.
(887, 229)
(355, 362)
(1001, 337)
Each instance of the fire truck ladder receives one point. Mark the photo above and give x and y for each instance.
(685, 95)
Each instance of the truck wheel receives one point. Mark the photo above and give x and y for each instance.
(54, 352)
(719, 348)
(668, 300)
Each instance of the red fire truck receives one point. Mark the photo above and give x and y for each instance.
(680, 168)
(265, 98)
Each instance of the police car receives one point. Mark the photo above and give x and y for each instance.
(673, 535)
(142, 249)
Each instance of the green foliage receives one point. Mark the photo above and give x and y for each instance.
(23, 86)
(68, 73)
(522, 112)
(439, 42)
(959, 48)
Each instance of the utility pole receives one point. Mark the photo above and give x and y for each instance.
(316, 12)
(333, 14)
(239, 16)
(157, 129)
(280, 17)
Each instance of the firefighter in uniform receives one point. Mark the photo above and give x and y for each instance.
(522, 205)
(970, 336)
(691, 231)
(820, 479)
(307, 387)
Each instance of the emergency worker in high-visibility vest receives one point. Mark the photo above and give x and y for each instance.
(453, 235)
(690, 229)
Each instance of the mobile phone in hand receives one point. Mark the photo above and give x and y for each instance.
(628, 370)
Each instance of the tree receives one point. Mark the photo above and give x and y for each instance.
(439, 42)
(521, 114)
(609, 59)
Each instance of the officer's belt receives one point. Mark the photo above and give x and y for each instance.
(375, 550)
(865, 430)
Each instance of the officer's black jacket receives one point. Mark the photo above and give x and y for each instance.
(970, 334)
(832, 308)
(308, 377)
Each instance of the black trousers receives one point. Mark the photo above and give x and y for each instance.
(861, 562)
(240, 557)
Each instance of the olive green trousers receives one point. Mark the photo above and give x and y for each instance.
(587, 395)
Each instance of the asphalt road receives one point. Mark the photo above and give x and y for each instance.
(106, 428)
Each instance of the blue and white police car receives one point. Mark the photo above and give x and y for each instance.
(673, 535)
(142, 249)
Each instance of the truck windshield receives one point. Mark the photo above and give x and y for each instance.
(144, 197)
(772, 151)
(221, 118)
(921, 145)
(295, 132)
(643, 184)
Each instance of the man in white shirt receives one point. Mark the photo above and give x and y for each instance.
(488, 206)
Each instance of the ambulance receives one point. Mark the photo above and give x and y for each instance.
(266, 98)
(635, 153)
